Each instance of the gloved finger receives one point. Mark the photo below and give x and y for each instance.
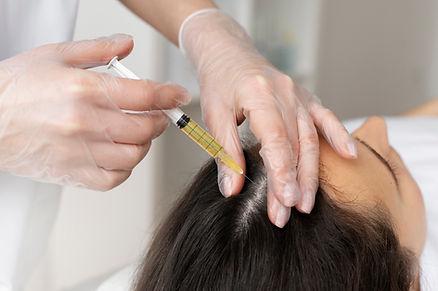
(223, 127)
(287, 104)
(278, 213)
(268, 125)
(304, 141)
(333, 130)
(277, 154)
(108, 179)
(308, 165)
(136, 95)
(115, 156)
(95, 52)
(136, 129)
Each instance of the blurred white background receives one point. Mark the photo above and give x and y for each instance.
(360, 57)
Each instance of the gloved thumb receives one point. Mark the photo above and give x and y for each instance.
(95, 52)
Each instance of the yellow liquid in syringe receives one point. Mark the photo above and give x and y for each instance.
(209, 144)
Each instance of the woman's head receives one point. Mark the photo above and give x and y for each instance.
(348, 242)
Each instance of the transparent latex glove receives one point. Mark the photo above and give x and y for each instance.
(63, 124)
(237, 83)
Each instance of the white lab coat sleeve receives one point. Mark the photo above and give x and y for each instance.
(27, 213)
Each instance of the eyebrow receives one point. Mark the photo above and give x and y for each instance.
(380, 158)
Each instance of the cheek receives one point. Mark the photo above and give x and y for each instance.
(412, 220)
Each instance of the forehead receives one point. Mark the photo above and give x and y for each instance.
(364, 180)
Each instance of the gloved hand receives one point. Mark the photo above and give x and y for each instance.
(236, 83)
(63, 124)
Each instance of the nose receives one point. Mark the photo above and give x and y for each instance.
(374, 132)
(377, 124)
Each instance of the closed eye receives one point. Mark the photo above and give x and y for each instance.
(381, 159)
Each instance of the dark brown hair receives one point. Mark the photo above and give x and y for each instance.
(209, 242)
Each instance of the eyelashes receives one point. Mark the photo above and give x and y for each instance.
(393, 162)
(391, 166)
(394, 167)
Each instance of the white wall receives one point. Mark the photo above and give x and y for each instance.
(377, 57)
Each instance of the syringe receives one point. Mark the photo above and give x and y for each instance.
(186, 124)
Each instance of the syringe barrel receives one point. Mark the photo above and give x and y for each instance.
(174, 114)
(200, 136)
(207, 142)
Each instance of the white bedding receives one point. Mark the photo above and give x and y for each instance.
(120, 281)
